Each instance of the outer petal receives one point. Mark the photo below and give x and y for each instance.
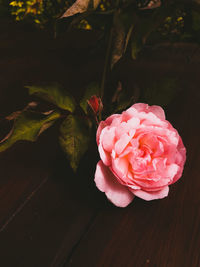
(180, 159)
(120, 168)
(158, 111)
(105, 156)
(113, 120)
(182, 151)
(108, 138)
(102, 125)
(106, 182)
(151, 195)
(140, 107)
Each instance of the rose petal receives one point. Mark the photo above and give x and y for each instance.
(133, 123)
(121, 129)
(143, 112)
(128, 127)
(120, 167)
(102, 125)
(113, 120)
(170, 135)
(180, 160)
(171, 171)
(158, 111)
(140, 107)
(182, 151)
(122, 143)
(104, 155)
(108, 138)
(178, 174)
(129, 114)
(151, 195)
(127, 150)
(106, 182)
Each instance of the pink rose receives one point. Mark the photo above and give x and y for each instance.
(141, 155)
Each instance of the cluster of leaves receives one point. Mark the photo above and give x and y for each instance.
(75, 127)
(77, 121)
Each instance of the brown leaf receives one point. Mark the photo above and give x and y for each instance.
(80, 6)
(152, 4)
(32, 105)
(13, 115)
(118, 40)
(7, 136)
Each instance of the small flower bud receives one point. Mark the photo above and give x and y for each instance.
(95, 103)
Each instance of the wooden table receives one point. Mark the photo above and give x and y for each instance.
(51, 217)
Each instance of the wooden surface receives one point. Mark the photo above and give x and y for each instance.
(48, 216)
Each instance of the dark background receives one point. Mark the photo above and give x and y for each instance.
(51, 217)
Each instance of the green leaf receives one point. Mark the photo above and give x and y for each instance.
(28, 126)
(74, 139)
(92, 89)
(161, 92)
(55, 94)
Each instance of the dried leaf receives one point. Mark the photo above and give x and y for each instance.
(123, 22)
(32, 105)
(118, 40)
(13, 115)
(151, 5)
(80, 6)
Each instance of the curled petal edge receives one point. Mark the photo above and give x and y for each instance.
(106, 182)
(151, 195)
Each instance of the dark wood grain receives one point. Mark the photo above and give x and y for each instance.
(25, 167)
(45, 231)
(50, 217)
